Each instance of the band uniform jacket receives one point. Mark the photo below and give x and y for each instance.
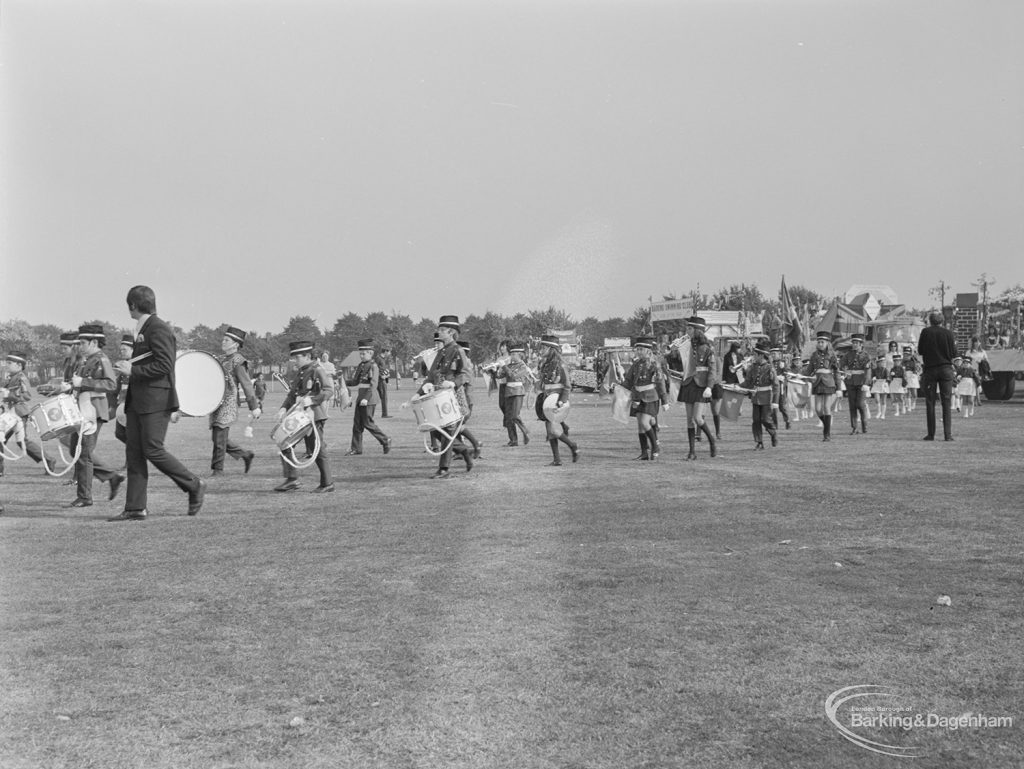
(823, 369)
(516, 375)
(880, 372)
(703, 365)
(99, 381)
(856, 369)
(151, 384)
(554, 378)
(236, 374)
(450, 365)
(366, 378)
(314, 381)
(896, 372)
(646, 380)
(18, 394)
(761, 377)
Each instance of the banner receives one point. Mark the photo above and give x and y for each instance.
(673, 309)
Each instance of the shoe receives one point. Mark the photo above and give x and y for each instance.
(642, 458)
(759, 446)
(353, 453)
(68, 482)
(853, 431)
(324, 489)
(115, 485)
(195, 498)
(511, 443)
(81, 503)
(476, 451)
(691, 455)
(469, 461)
(526, 438)
(215, 474)
(289, 485)
(441, 473)
(948, 438)
(130, 515)
(387, 445)
(827, 439)
(787, 425)
(575, 455)
(928, 438)
(555, 463)
(775, 440)
(247, 460)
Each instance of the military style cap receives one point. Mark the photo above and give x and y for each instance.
(550, 340)
(365, 344)
(91, 331)
(294, 348)
(644, 341)
(450, 321)
(235, 333)
(696, 322)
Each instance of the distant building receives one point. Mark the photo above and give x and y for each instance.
(883, 294)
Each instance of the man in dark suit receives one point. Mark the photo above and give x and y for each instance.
(937, 348)
(149, 404)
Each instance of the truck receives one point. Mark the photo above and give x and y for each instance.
(1007, 366)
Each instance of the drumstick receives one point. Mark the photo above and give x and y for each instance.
(137, 358)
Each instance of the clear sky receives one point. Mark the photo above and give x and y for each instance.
(254, 160)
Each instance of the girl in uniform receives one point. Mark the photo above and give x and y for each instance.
(646, 383)
(896, 387)
(700, 373)
(823, 369)
(911, 375)
(880, 385)
(967, 385)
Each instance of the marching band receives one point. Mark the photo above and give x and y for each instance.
(93, 391)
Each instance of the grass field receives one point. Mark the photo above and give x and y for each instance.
(609, 614)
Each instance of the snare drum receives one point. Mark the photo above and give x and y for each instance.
(199, 383)
(56, 416)
(438, 408)
(9, 421)
(295, 426)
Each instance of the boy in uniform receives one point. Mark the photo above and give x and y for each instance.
(367, 380)
(449, 371)
(16, 397)
(313, 387)
(236, 374)
(856, 367)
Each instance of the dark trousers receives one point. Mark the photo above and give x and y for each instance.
(89, 466)
(762, 416)
(222, 445)
(362, 419)
(441, 439)
(382, 394)
(857, 400)
(781, 411)
(513, 407)
(144, 444)
(937, 382)
(292, 473)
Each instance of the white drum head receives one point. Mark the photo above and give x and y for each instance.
(199, 383)
(552, 411)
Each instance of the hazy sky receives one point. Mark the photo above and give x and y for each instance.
(254, 160)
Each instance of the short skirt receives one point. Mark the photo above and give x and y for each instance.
(690, 392)
(880, 387)
(913, 380)
(896, 387)
(644, 407)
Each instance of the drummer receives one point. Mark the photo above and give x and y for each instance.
(312, 387)
(94, 379)
(554, 380)
(448, 371)
(16, 397)
(823, 368)
(647, 384)
(236, 374)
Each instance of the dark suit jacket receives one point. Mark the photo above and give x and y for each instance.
(936, 346)
(151, 385)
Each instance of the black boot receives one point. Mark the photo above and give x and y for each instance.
(643, 446)
(773, 434)
(691, 437)
(826, 422)
(711, 441)
(652, 437)
(718, 425)
(513, 438)
(557, 461)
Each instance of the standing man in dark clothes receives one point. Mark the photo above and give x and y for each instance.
(937, 348)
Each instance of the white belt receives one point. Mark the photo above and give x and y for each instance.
(554, 387)
(822, 371)
(644, 388)
(701, 368)
(763, 388)
(501, 381)
(855, 371)
(513, 384)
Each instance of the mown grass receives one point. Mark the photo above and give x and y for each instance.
(606, 614)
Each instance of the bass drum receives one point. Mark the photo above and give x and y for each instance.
(199, 383)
